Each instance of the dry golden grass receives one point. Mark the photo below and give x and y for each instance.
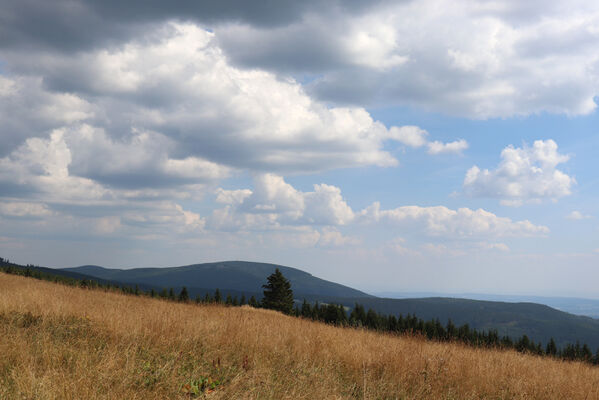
(58, 342)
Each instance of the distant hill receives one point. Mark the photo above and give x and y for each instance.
(237, 276)
(538, 321)
(66, 273)
(572, 305)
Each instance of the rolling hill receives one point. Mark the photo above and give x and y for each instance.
(236, 276)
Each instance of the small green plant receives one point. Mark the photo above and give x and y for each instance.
(196, 387)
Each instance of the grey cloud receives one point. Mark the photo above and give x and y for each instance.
(298, 48)
(74, 25)
(478, 60)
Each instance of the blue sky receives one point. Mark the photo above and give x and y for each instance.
(395, 146)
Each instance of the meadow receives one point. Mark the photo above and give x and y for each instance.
(61, 342)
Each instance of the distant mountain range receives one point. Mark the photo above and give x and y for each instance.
(514, 319)
(572, 305)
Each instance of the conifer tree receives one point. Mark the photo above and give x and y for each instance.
(278, 294)
(551, 349)
(586, 353)
(217, 296)
(306, 310)
(184, 295)
(253, 302)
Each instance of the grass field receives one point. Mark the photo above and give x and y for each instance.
(60, 342)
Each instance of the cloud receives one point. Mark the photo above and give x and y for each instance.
(441, 221)
(476, 60)
(437, 147)
(577, 216)
(107, 225)
(409, 135)
(171, 94)
(331, 237)
(495, 246)
(138, 160)
(414, 136)
(27, 110)
(233, 197)
(523, 175)
(74, 25)
(274, 205)
(24, 209)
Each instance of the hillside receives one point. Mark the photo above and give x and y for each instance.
(537, 321)
(65, 342)
(240, 276)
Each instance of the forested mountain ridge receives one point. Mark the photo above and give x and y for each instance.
(240, 276)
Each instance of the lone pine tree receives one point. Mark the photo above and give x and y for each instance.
(277, 293)
(184, 295)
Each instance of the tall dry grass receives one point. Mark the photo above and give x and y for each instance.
(58, 342)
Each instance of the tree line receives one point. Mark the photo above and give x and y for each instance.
(278, 296)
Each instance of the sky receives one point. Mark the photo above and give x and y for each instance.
(407, 146)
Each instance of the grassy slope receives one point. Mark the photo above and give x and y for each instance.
(537, 321)
(59, 342)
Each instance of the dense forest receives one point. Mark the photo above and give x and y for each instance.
(278, 296)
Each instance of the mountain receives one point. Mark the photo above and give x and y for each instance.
(539, 322)
(236, 276)
(572, 305)
(65, 273)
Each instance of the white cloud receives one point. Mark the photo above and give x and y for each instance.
(495, 246)
(523, 175)
(107, 225)
(414, 136)
(331, 237)
(27, 109)
(172, 96)
(274, 202)
(234, 197)
(441, 250)
(326, 206)
(444, 222)
(398, 245)
(477, 60)
(272, 195)
(42, 166)
(457, 146)
(409, 135)
(24, 209)
(577, 216)
(276, 205)
(140, 159)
